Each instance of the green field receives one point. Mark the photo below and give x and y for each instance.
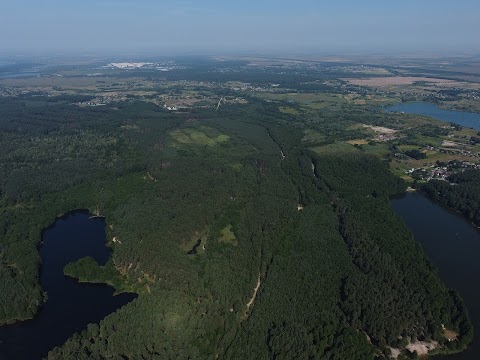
(199, 136)
(227, 236)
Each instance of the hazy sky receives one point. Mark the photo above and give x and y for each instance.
(247, 25)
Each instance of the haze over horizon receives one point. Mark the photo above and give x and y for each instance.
(219, 26)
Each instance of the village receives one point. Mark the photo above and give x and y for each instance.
(441, 170)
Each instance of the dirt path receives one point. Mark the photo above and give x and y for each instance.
(252, 300)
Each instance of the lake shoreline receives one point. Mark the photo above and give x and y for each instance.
(451, 243)
(70, 304)
(433, 110)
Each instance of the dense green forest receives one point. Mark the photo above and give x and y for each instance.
(303, 257)
(461, 193)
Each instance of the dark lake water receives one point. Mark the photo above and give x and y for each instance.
(453, 245)
(467, 119)
(71, 306)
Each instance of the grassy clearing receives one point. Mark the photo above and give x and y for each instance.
(237, 166)
(379, 149)
(383, 101)
(365, 129)
(358, 142)
(181, 137)
(399, 169)
(201, 136)
(424, 140)
(227, 236)
(222, 138)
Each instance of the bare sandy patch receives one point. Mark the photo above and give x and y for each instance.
(450, 335)
(381, 129)
(447, 143)
(252, 299)
(395, 353)
(422, 347)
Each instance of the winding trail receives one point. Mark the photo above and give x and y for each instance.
(252, 300)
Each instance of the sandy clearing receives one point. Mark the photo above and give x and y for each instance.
(395, 353)
(448, 143)
(450, 335)
(422, 347)
(381, 129)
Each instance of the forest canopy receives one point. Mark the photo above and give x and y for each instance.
(299, 253)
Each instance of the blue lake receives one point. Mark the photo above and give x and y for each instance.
(467, 119)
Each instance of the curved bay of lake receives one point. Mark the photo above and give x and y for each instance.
(71, 306)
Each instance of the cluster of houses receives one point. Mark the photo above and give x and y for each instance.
(129, 65)
(7, 92)
(249, 87)
(102, 101)
(441, 171)
(170, 108)
(162, 66)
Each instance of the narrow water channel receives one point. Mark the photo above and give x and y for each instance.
(453, 245)
(71, 306)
